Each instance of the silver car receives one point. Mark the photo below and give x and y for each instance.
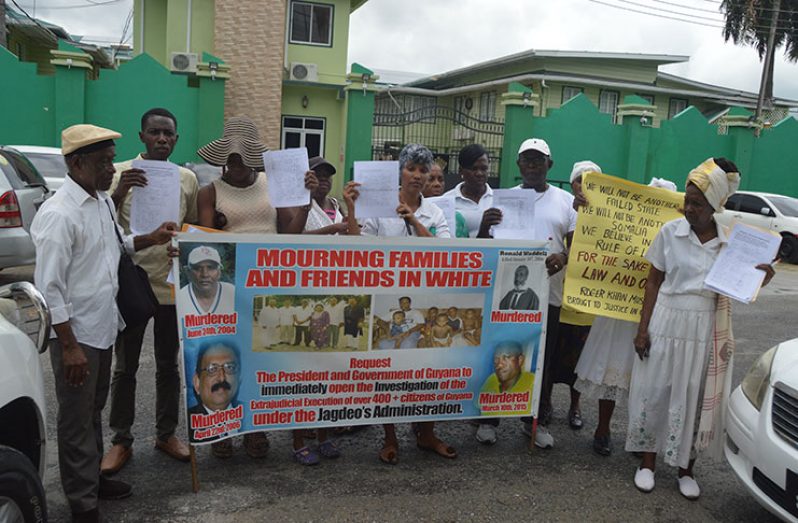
(22, 191)
(48, 161)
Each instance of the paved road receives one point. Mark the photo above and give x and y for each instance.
(498, 483)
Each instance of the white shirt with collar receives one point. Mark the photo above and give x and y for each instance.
(77, 259)
(429, 214)
(554, 218)
(472, 211)
(677, 251)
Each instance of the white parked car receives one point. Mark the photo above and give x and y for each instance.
(24, 333)
(48, 161)
(762, 430)
(773, 212)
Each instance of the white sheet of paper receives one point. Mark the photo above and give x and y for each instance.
(518, 213)
(170, 278)
(379, 189)
(159, 200)
(285, 171)
(446, 204)
(734, 274)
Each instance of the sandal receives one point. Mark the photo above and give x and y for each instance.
(305, 456)
(389, 454)
(222, 449)
(439, 447)
(328, 449)
(575, 419)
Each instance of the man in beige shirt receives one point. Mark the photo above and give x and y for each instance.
(159, 136)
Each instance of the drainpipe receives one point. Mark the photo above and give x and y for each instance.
(188, 27)
(141, 27)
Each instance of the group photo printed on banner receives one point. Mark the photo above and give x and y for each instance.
(314, 337)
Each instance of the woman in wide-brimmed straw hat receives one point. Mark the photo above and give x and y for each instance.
(239, 201)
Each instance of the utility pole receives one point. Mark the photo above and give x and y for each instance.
(3, 36)
(767, 67)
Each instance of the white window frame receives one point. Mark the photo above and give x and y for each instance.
(573, 90)
(303, 131)
(313, 7)
(671, 112)
(602, 101)
(487, 106)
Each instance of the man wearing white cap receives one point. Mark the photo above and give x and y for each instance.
(77, 259)
(206, 294)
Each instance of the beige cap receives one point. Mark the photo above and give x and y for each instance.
(81, 135)
(534, 144)
(204, 253)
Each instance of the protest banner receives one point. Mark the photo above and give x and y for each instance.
(289, 332)
(607, 272)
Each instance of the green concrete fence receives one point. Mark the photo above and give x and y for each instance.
(35, 108)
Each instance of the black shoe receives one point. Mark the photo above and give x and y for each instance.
(602, 445)
(113, 489)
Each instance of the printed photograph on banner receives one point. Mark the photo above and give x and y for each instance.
(519, 278)
(310, 323)
(427, 321)
(508, 390)
(214, 372)
(206, 302)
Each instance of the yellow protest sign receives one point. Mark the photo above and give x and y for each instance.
(606, 269)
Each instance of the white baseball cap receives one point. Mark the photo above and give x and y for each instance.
(534, 144)
(204, 253)
(585, 166)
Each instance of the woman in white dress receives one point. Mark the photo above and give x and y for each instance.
(605, 364)
(684, 344)
(415, 217)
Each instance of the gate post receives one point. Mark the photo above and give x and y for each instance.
(71, 65)
(742, 129)
(637, 117)
(359, 117)
(519, 105)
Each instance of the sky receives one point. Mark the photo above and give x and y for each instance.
(434, 36)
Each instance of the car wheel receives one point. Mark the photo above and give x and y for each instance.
(788, 251)
(21, 491)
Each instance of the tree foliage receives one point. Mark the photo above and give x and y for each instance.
(748, 22)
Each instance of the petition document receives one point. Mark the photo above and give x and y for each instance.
(518, 213)
(159, 200)
(285, 171)
(379, 186)
(446, 204)
(734, 273)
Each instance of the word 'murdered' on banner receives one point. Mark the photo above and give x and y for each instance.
(285, 332)
(606, 268)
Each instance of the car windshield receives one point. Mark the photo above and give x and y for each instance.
(787, 206)
(48, 165)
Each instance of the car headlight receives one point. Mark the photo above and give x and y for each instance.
(757, 380)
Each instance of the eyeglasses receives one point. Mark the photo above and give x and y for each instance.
(213, 369)
(535, 161)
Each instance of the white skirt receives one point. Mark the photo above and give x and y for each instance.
(605, 366)
(665, 391)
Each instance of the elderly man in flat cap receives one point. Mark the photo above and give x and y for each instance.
(77, 259)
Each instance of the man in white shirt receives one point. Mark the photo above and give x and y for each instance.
(159, 136)
(414, 321)
(555, 221)
(206, 293)
(77, 259)
(269, 321)
(336, 311)
(301, 321)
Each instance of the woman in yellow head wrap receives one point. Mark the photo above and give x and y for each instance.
(684, 343)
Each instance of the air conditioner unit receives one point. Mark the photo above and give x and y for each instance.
(183, 62)
(304, 72)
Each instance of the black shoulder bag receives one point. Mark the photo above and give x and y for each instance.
(135, 299)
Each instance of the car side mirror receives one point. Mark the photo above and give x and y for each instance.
(765, 211)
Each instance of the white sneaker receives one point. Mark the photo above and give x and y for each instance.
(644, 480)
(543, 438)
(689, 487)
(486, 434)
